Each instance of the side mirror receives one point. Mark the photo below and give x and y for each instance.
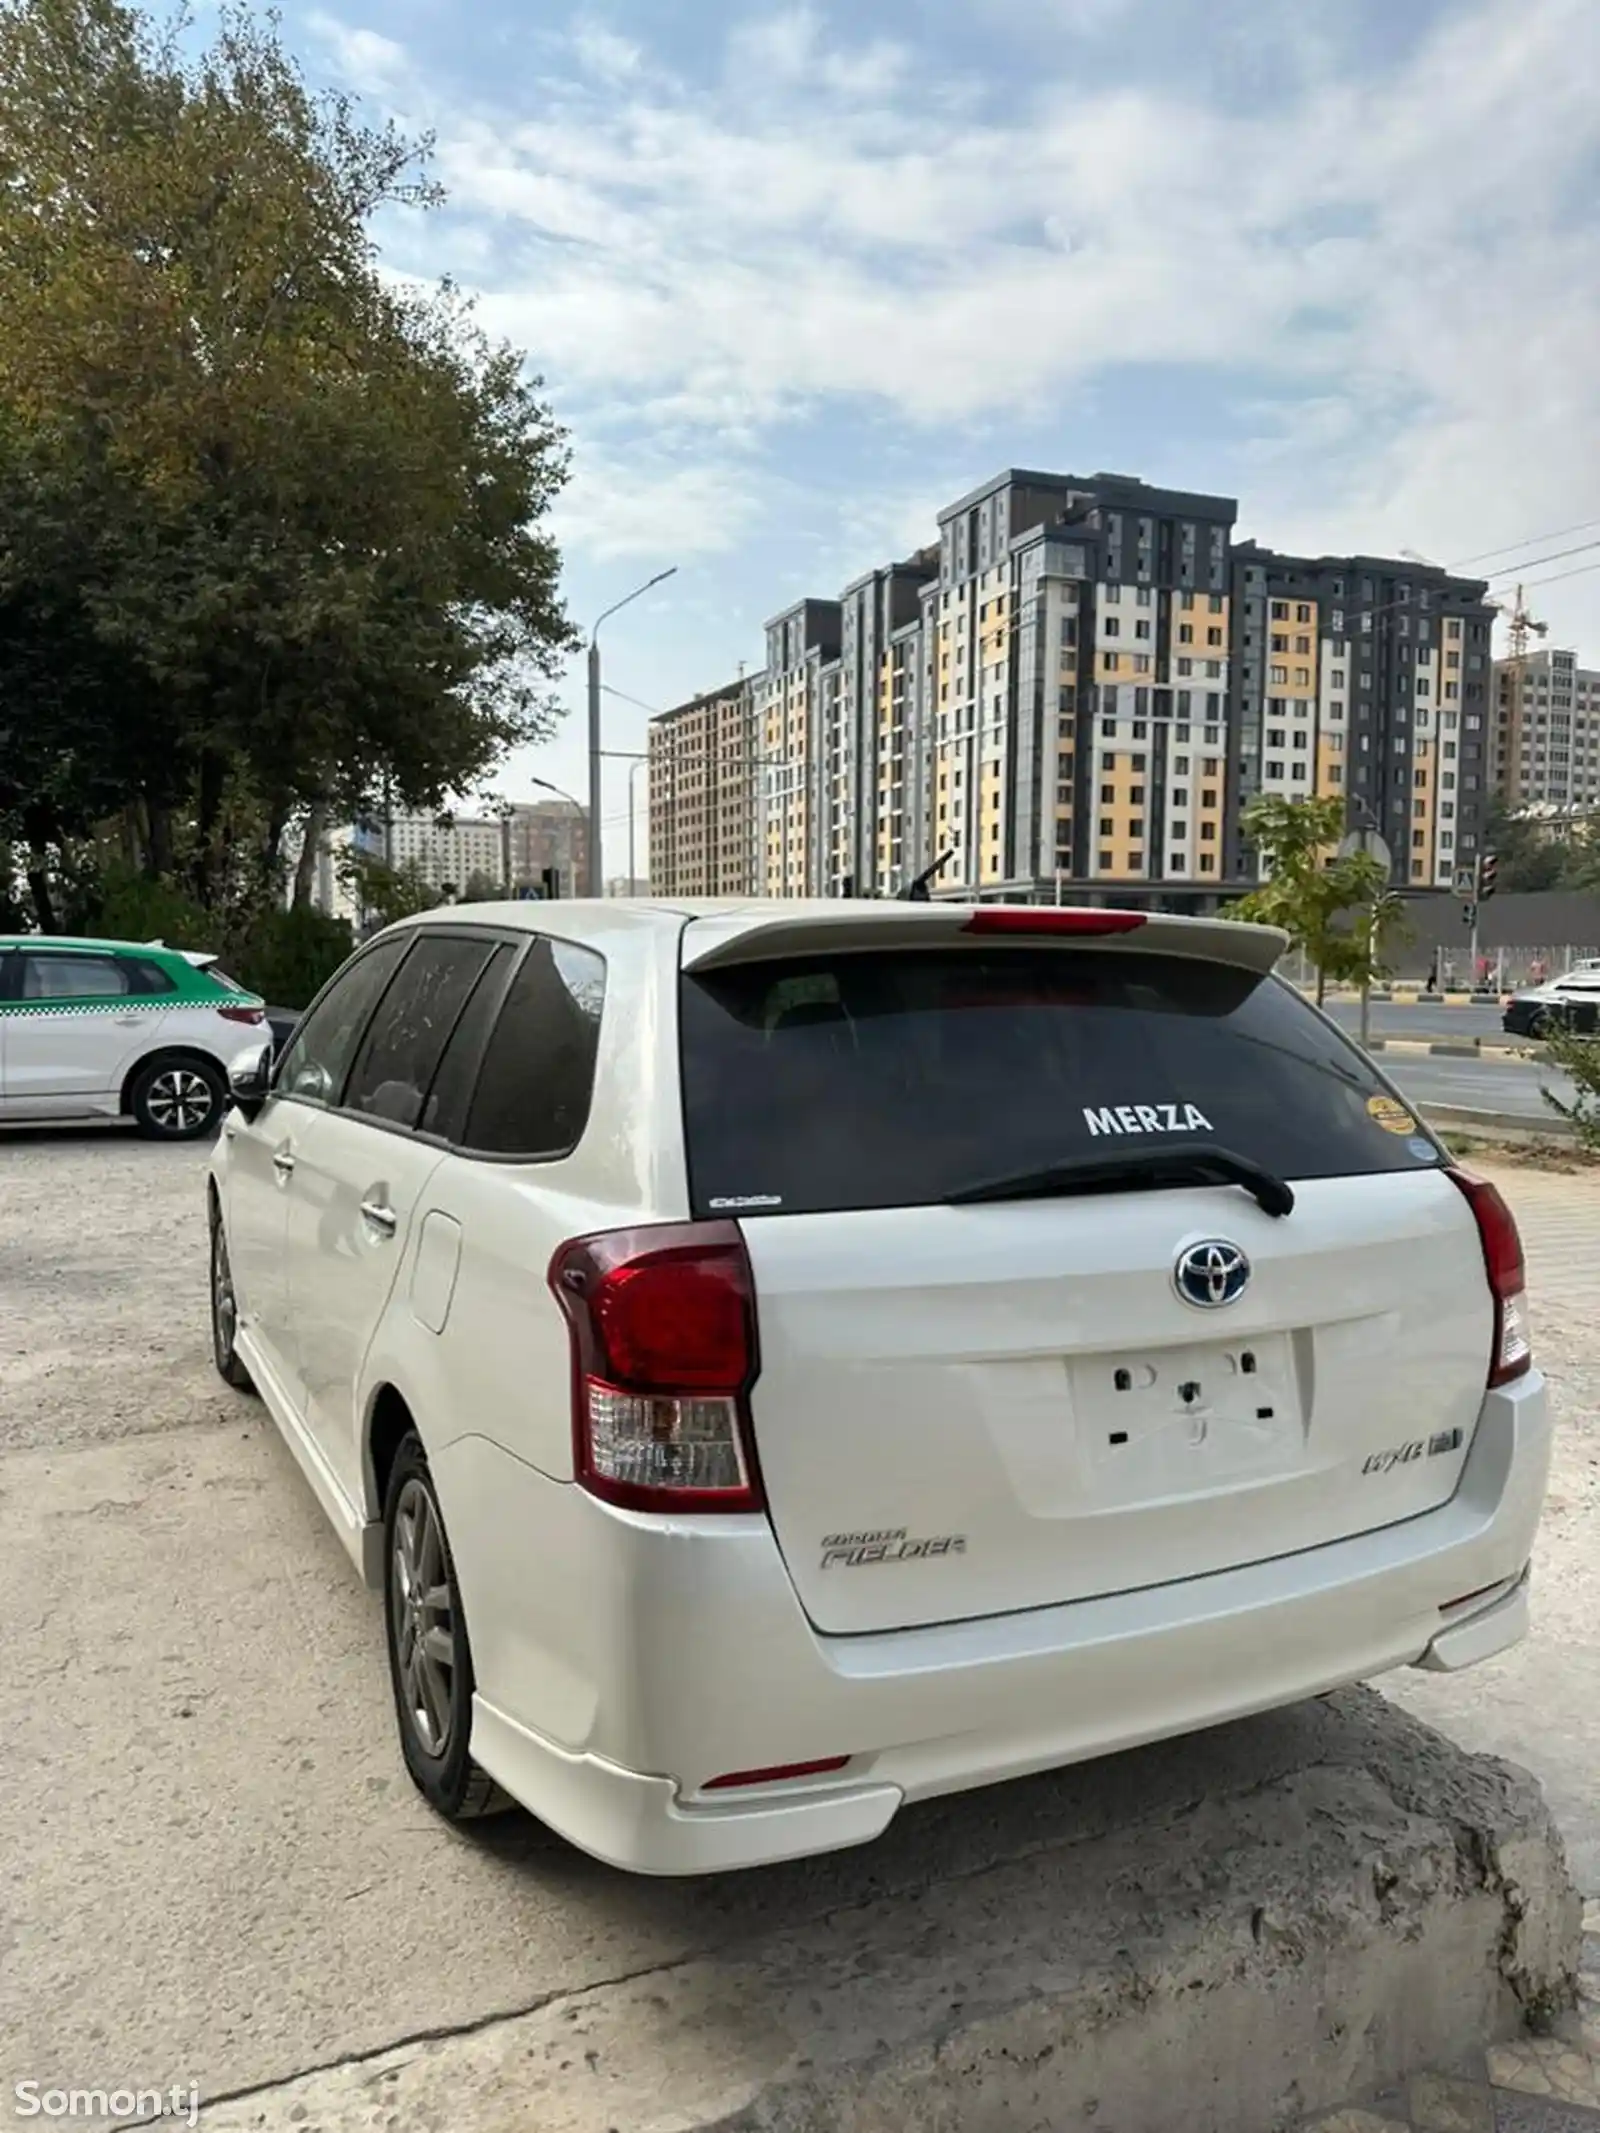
(250, 1082)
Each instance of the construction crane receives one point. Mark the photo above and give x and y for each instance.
(1522, 626)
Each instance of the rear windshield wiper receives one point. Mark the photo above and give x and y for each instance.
(1202, 1162)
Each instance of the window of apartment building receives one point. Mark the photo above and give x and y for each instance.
(1185, 667)
(1186, 601)
(1180, 766)
(1280, 610)
(1136, 796)
(1208, 834)
(1178, 829)
(1280, 641)
(1113, 626)
(1213, 636)
(1108, 729)
(1278, 676)
(1108, 827)
(1112, 593)
(1186, 633)
(1275, 772)
(1275, 736)
(1113, 661)
(1214, 601)
(1213, 670)
(1302, 739)
(1105, 862)
(1208, 798)
(1142, 596)
(1213, 733)
(1136, 762)
(1335, 773)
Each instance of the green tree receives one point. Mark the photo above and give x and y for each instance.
(1579, 1059)
(270, 526)
(1337, 910)
(385, 893)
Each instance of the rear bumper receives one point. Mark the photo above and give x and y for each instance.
(631, 1661)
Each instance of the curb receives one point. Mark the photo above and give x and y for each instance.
(1492, 1048)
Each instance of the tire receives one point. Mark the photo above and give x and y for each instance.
(1540, 1025)
(224, 1311)
(430, 1660)
(177, 1099)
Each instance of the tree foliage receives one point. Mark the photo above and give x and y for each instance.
(272, 528)
(1578, 1057)
(1539, 854)
(1339, 911)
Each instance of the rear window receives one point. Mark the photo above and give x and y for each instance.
(895, 1079)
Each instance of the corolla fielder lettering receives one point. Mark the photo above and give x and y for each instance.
(618, 1271)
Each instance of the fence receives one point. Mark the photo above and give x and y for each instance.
(1498, 969)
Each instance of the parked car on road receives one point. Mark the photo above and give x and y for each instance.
(781, 1361)
(112, 1029)
(1568, 1002)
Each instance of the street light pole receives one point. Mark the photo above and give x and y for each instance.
(596, 883)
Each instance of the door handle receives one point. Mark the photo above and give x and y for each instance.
(130, 1021)
(283, 1163)
(380, 1217)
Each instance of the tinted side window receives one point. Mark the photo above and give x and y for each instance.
(73, 977)
(317, 1061)
(537, 1078)
(408, 1033)
(147, 978)
(445, 1111)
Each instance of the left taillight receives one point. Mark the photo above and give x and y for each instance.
(252, 1017)
(663, 1330)
(1503, 1262)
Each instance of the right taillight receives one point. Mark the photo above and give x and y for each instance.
(1512, 1353)
(663, 1329)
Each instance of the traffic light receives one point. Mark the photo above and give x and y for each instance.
(550, 882)
(1488, 875)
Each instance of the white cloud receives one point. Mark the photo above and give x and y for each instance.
(1406, 266)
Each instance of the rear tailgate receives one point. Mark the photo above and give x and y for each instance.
(965, 1410)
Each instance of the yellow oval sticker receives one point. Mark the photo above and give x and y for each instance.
(1391, 1116)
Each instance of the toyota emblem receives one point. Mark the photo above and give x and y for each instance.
(1211, 1274)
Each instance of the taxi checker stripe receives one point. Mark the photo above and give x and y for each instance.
(124, 1004)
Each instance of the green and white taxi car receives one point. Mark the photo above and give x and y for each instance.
(119, 1029)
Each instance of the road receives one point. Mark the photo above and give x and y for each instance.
(1432, 1020)
(1508, 1086)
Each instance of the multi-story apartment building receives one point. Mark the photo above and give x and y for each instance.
(549, 834)
(1546, 734)
(446, 850)
(1367, 679)
(704, 770)
(1080, 685)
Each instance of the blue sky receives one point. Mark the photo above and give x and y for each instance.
(795, 276)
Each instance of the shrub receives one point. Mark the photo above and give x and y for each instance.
(1579, 1059)
(287, 956)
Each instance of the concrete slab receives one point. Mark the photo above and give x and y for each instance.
(1276, 1944)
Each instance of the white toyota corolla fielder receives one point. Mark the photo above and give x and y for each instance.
(779, 1361)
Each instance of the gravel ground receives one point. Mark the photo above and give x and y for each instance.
(200, 1783)
(103, 1290)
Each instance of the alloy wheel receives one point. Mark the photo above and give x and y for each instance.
(179, 1100)
(424, 1619)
